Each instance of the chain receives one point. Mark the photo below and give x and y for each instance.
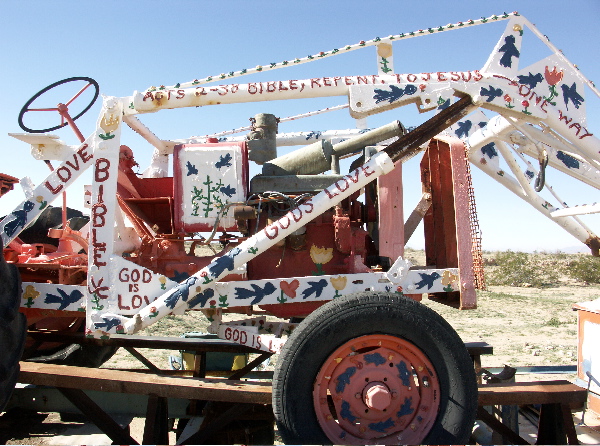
(476, 251)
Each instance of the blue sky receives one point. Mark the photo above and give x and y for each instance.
(132, 45)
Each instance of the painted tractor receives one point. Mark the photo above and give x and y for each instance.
(361, 360)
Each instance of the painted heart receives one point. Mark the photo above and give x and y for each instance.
(290, 288)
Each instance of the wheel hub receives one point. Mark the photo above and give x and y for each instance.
(376, 388)
(377, 396)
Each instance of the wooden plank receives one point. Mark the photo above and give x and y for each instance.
(479, 348)
(539, 392)
(210, 389)
(153, 342)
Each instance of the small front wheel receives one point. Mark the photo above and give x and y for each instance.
(374, 368)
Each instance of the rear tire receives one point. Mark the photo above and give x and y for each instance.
(422, 370)
(12, 330)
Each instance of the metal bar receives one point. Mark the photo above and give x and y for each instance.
(410, 144)
(97, 416)
(416, 216)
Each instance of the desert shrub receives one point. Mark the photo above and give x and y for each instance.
(585, 268)
(522, 269)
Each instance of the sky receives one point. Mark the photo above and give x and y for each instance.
(128, 46)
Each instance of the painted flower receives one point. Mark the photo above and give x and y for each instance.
(422, 87)
(553, 77)
(213, 304)
(153, 312)
(448, 278)
(109, 125)
(29, 295)
(339, 283)
(321, 255)
(507, 98)
(525, 104)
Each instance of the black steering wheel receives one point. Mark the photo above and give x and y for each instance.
(26, 108)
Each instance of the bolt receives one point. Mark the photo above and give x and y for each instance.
(377, 396)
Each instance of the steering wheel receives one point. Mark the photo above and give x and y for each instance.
(25, 109)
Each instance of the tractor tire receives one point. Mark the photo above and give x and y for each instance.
(12, 330)
(374, 368)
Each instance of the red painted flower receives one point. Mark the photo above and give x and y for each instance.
(553, 77)
(507, 98)
(422, 87)
(525, 104)
(212, 303)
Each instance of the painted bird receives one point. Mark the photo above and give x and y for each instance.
(531, 80)
(510, 50)
(427, 280)
(256, 292)
(228, 190)
(64, 300)
(315, 288)
(225, 262)
(109, 322)
(201, 298)
(182, 292)
(192, 170)
(224, 161)
(491, 94)
(570, 93)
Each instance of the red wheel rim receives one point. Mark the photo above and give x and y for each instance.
(377, 389)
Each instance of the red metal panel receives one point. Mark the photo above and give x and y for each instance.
(464, 242)
(391, 214)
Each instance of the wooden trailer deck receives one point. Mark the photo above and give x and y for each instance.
(556, 398)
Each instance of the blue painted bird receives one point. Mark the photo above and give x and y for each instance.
(382, 426)
(463, 129)
(315, 288)
(256, 292)
(64, 299)
(491, 94)
(346, 413)
(201, 298)
(225, 262)
(20, 219)
(570, 94)
(224, 161)
(489, 150)
(182, 292)
(191, 169)
(228, 190)
(427, 280)
(109, 322)
(531, 80)
(394, 93)
(344, 379)
(510, 50)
